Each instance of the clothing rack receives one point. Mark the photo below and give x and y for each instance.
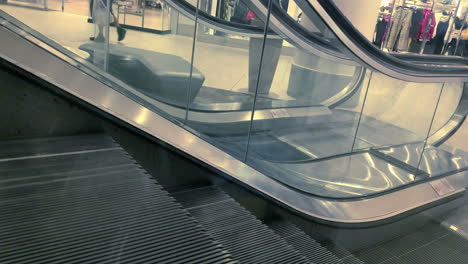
(417, 5)
(435, 6)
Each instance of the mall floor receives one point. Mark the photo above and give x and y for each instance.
(72, 30)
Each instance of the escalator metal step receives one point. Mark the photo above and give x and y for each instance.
(57, 146)
(85, 200)
(242, 234)
(310, 248)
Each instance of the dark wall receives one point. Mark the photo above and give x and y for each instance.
(32, 108)
(27, 110)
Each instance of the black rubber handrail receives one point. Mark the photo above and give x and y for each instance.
(428, 68)
(416, 62)
(312, 38)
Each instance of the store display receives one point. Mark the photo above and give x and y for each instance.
(459, 45)
(399, 30)
(417, 26)
(426, 25)
(441, 32)
(381, 29)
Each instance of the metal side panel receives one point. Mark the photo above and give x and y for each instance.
(53, 67)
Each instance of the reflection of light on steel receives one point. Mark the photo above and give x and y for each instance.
(408, 154)
(387, 180)
(368, 175)
(336, 188)
(454, 228)
(392, 171)
(142, 116)
(428, 168)
(107, 101)
(455, 160)
(298, 147)
(370, 159)
(312, 180)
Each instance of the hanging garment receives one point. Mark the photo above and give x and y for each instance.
(418, 16)
(439, 39)
(388, 18)
(429, 47)
(241, 12)
(415, 46)
(429, 17)
(380, 30)
(462, 49)
(399, 31)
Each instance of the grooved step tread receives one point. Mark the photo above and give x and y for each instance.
(39, 147)
(241, 233)
(306, 245)
(72, 206)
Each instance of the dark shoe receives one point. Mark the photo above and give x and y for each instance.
(99, 38)
(121, 33)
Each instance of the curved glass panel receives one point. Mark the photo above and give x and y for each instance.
(269, 83)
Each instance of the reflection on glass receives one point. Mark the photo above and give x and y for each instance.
(77, 7)
(156, 67)
(101, 13)
(166, 17)
(308, 88)
(441, 156)
(300, 142)
(396, 118)
(131, 13)
(220, 105)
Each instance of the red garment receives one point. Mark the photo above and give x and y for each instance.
(422, 26)
(250, 15)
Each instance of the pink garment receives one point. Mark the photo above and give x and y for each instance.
(423, 25)
(388, 19)
(250, 15)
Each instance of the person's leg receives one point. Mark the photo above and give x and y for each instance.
(120, 31)
(115, 21)
(100, 35)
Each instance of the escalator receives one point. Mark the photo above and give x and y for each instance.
(291, 155)
(277, 146)
(118, 164)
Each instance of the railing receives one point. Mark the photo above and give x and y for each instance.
(316, 124)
